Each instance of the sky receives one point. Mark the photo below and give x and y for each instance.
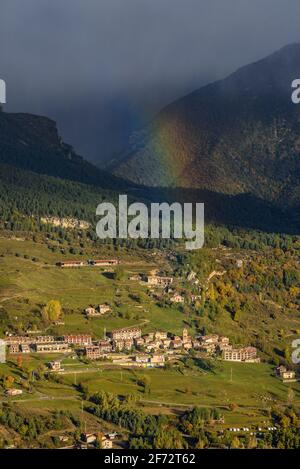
(103, 68)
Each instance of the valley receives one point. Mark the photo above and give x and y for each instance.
(229, 304)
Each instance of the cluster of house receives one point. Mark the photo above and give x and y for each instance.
(89, 262)
(55, 366)
(161, 340)
(98, 311)
(154, 280)
(105, 439)
(159, 343)
(157, 280)
(175, 297)
(119, 340)
(127, 339)
(285, 374)
(214, 343)
(151, 346)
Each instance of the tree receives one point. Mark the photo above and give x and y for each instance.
(84, 389)
(200, 444)
(20, 361)
(252, 442)
(8, 381)
(98, 443)
(233, 407)
(45, 317)
(52, 310)
(118, 273)
(235, 444)
(169, 439)
(145, 382)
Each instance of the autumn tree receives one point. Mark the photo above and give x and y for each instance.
(99, 443)
(8, 381)
(52, 310)
(235, 444)
(20, 361)
(169, 438)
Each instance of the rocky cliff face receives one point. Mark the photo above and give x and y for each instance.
(32, 143)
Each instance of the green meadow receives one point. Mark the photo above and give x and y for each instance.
(243, 384)
(26, 285)
(244, 393)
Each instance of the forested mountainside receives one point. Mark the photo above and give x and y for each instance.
(238, 135)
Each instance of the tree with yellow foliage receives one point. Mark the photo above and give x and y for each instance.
(8, 381)
(235, 444)
(52, 311)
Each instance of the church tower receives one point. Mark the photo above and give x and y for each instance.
(185, 335)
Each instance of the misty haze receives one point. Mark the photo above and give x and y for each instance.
(103, 69)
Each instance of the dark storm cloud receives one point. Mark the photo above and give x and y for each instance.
(101, 68)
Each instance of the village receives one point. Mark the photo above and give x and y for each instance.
(128, 346)
(99, 345)
(134, 348)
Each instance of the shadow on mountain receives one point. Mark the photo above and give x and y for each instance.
(242, 210)
(37, 169)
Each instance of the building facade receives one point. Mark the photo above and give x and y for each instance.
(93, 352)
(126, 333)
(56, 347)
(78, 339)
(246, 354)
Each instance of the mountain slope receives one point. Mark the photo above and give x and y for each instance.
(36, 195)
(42, 176)
(33, 196)
(32, 143)
(238, 135)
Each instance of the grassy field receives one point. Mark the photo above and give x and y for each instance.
(250, 385)
(26, 285)
(251, 389)
(247, 385)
